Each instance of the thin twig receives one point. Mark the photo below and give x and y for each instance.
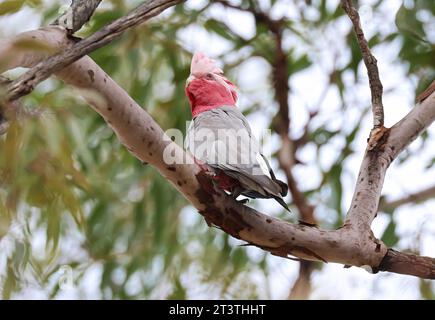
(370, 61)
(4, 125)
(14, 110)
(302, 287)
(426, 93)
(77, 14)
(27, 82)
(413, 198)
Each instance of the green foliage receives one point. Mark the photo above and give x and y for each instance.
(11, 6)
(417, 48)
(390, 237)
(426, 289)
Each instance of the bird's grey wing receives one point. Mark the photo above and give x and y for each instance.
(188, 140)
(223, 139)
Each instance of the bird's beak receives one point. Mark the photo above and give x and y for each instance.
(191, 77)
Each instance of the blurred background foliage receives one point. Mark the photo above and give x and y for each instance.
(71, 195)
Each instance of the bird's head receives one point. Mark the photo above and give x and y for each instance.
(207, 88)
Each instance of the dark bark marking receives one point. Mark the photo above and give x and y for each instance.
(91, 75)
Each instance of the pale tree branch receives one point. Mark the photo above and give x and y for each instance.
(370, 180)
(370, 62)
(383, 147)
(413, 198)
(142, 136)
(77, 14)
(27, 82)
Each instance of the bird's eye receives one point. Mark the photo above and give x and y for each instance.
(209, 76)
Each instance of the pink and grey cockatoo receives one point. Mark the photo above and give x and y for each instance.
(220, 136)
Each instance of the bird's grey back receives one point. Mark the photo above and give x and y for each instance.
(223, 139)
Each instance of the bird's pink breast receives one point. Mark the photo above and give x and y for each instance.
(206, 95)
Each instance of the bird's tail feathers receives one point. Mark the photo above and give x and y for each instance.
(282, 203)
(283, 186)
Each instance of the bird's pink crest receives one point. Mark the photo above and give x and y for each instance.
(201, 64)
(207, 88)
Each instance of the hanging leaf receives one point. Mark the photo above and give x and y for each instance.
(390, 237)
(10, 6)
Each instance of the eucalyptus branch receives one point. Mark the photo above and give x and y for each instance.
(77, 14)
(27, 82)
(370, 62)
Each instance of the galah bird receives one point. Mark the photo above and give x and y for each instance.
(220, 136)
